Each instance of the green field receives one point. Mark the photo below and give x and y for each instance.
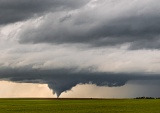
(79, 106)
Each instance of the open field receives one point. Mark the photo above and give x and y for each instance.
(79, 105)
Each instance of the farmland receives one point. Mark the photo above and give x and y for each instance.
(79, 105)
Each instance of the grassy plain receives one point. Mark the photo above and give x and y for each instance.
(79, 105)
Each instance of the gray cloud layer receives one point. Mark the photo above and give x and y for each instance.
(95, 23)
(18, 10)
(60, 80)
(111, 25)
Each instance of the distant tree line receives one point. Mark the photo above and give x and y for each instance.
(147, 98)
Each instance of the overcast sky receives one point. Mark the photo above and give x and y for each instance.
(82, 48)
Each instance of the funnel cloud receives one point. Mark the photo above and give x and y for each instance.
(61, 80)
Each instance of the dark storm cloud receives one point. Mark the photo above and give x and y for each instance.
(60, 80)
(137, 26)
(19, 10)
(139, 31)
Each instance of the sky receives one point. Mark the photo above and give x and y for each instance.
(79, 49)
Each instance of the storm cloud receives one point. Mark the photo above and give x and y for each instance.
(114, 23)
(60, 80)
(18, 10)
(64, 43)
